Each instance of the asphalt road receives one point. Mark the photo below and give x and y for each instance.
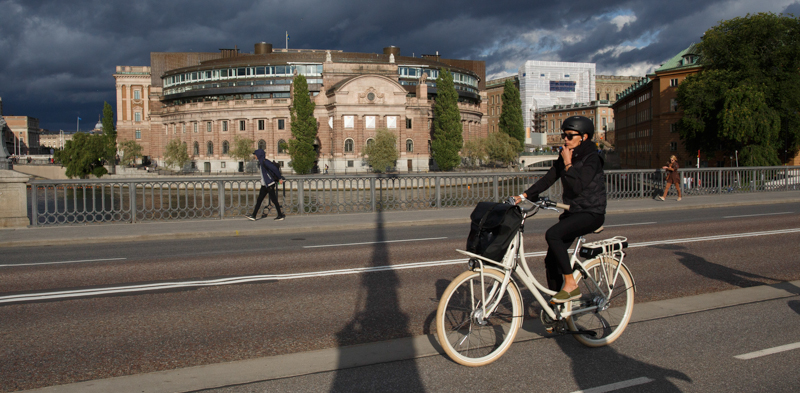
(139, 307)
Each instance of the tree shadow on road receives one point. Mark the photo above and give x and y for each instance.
(377, 317)
(596, 367)
(715, 271)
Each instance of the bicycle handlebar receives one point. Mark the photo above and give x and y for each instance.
(542, 203)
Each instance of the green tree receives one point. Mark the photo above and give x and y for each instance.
(382, 154)
(83, 155)
(130, 152)
(747, 95)
(176, 154)
(304, 127)
(242, 148)
(502, 148)
(447, 140)
(511, 121)
(474, 151)
(110, 133)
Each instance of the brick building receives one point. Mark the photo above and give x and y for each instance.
(208, 99)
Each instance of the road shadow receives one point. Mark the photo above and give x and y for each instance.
(715, 271)
(377, 317)
(596, 367)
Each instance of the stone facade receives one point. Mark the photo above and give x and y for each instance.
(607, 87)
(355, 94)
(548, 120)
(25, 133)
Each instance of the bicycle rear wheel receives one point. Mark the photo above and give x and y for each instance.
(613, 297)
(466, 336)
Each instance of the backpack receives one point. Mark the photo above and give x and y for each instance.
(492, 229)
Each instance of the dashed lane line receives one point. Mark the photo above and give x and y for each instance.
(617, 386)
(379, 242)
(63, 262)
(768, 351)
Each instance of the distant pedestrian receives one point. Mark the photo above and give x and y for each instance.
(270, 178)
(672, 177)
(326, 169)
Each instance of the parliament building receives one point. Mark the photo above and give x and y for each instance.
(208, 99)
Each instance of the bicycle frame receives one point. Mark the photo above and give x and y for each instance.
(514, 262)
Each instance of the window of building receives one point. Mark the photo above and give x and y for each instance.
(409, 146)
(370, 141)
(195, 127)
(225, 147)
(673, 105)
(369, 122)
(281, 124)
(137, 95)
(348, 121)
(673, 127)
(348, 146)
(262, 144)
(408, 123)
(208, 126)
(673, 146)
(210, 148)
(224, 126)
(137, 116)
(282, 146)
(138, 134)
(222, 164)
(350, 163)
(261, 125)
(673, 82)
(242, 125)
(196, 148)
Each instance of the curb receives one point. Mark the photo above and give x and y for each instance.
(326, 360)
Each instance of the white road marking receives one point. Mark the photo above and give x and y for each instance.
(768, 351)
(380, 242)
(63, 262)
(277, 277)
(626, 225)
(758, 215)
(617, 386)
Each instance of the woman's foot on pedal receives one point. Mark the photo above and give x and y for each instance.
(564, 296)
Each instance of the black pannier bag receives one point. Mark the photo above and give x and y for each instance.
(492, 229)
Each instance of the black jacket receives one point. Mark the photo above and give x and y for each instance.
(584, 183)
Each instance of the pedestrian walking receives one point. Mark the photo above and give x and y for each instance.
(672, 177)
(270, 177)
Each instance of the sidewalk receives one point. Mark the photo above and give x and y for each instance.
(199, 228)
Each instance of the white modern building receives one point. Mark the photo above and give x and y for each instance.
(545, 84)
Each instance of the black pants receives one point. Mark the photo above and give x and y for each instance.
(273, 196)
(560, 237)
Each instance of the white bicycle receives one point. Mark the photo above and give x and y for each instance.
(481, 310)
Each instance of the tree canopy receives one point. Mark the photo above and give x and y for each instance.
(242, 148)
(130, 151)
(746, 97)
(382, 153)
(176, 154)
(511, 121)
(304, 127)
(447, 133)
(502, 148)
(474, 152)
(84, 155)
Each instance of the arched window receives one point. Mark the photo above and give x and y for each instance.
(409, 146)
(210, 148)
(225, 147)
(262, 144)
(370, 141)
(282, 146)
(348, 146)
(196, 149)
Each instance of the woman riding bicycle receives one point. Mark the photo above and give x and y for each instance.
(580, 169)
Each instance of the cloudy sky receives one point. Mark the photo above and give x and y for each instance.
(57, 57)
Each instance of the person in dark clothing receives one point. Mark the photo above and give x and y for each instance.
(580, 169)
(270, 177)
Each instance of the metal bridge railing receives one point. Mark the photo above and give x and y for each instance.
(54, 202)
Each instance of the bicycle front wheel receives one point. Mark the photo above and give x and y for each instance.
(467, 336)
(612, 296)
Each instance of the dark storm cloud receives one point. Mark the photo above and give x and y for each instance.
(57, 57)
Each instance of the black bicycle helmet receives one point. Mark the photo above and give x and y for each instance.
(582, 124)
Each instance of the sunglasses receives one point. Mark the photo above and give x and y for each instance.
(569, 137)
